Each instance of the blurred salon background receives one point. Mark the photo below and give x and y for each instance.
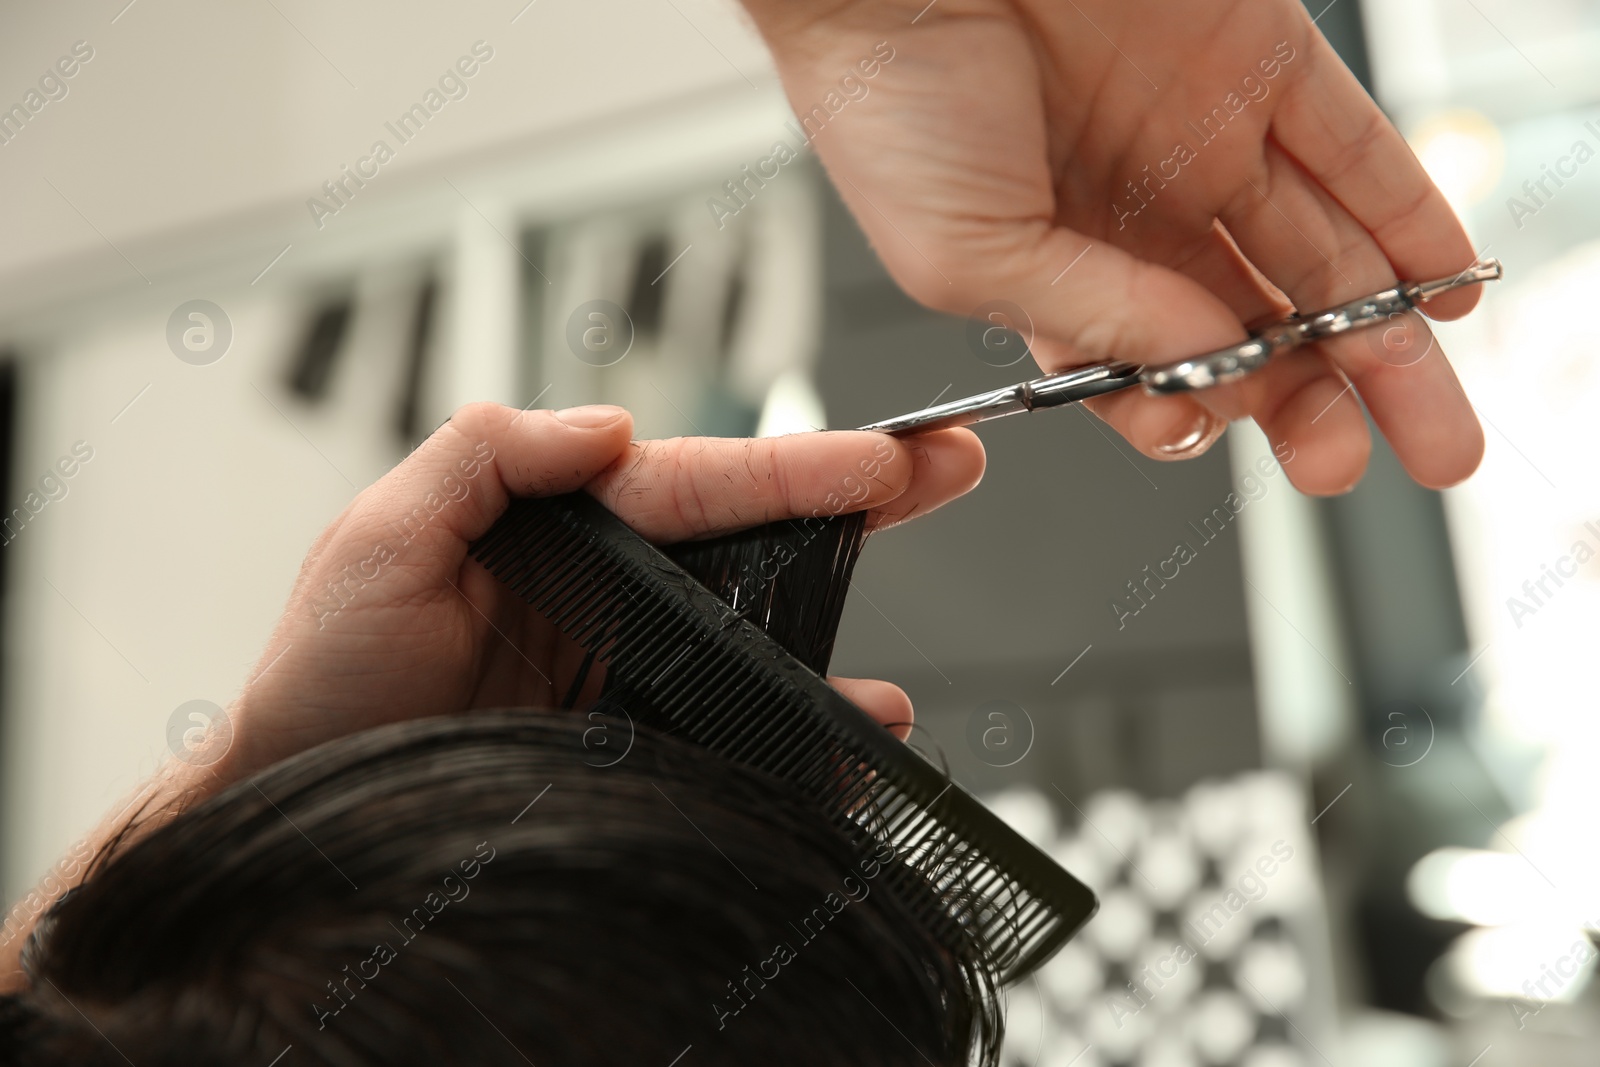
(225, 310)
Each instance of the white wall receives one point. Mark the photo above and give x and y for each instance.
(192, 111)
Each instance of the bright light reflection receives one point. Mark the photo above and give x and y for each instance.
(1544, 963)
(1464, 154)
(1477, 887)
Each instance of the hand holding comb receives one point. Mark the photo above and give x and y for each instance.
(678, 658)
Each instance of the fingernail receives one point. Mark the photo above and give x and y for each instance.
(590, 416)
(1194, 438)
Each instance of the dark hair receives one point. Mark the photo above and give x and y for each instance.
(477, 890)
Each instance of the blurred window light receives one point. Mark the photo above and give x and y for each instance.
(793, 405)
(1528, 962)
(1498, 103)
(1475, 886)
(1464, 154)
(1515, 60)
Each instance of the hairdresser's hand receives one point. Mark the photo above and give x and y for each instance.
(389, 618)
(990, 158)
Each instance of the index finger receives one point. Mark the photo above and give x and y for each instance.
(692, 487)
(1329, 124)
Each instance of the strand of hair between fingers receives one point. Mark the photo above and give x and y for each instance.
(852, 490)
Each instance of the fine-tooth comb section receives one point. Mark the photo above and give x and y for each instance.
(680, 660)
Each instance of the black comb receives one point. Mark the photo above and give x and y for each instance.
(682, 661)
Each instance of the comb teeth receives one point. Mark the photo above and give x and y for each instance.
(683, 662)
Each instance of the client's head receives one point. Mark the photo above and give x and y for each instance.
(474, 890)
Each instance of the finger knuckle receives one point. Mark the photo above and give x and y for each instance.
(474, 418)
(765, 461)
(688, 501)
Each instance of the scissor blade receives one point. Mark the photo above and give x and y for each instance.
(1052, 390)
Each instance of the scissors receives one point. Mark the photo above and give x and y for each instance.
(1190, 375)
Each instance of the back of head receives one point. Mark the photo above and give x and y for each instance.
(476, 890)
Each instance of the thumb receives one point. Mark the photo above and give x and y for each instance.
(450, 490)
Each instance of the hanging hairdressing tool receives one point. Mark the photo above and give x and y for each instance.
(1190, 375)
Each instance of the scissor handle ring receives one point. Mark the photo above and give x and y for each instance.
(1216, 368)
(1236, 361)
